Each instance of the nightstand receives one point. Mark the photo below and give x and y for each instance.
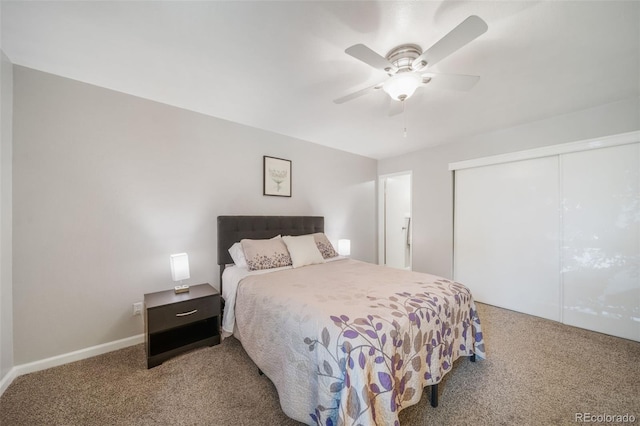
(176, 323)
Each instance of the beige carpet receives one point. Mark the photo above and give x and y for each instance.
(538, 372)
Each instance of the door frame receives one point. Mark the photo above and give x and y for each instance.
(381, 214)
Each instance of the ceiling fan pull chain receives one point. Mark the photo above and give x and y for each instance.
(404, 119)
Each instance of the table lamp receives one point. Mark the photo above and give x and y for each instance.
(180, 271)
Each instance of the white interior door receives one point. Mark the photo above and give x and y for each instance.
(396, 220)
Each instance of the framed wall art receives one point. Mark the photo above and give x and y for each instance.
(276, 177)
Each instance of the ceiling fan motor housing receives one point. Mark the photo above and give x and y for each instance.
(402, 57)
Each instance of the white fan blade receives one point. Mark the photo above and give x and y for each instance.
(357, 94)
(467, 31)
(451, 81)
(369, 57)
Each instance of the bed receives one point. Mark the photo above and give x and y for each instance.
(344, 342)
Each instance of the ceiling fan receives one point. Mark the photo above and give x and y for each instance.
(408, 66)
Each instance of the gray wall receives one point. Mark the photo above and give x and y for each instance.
(433, 183)
(6, 258)
(107, 186)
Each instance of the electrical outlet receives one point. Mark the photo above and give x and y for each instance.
(137, 308)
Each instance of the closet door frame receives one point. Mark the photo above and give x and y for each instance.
(548, 151)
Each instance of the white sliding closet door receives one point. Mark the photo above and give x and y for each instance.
(506, 234)
(601, 240)
(554, 232)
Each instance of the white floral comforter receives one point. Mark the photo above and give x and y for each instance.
(351, 343)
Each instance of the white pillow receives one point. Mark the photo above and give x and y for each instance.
(303, 250)
(237, 254)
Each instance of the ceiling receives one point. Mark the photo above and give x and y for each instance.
(278, 65)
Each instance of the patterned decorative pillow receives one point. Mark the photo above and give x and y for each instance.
(237, 254)
(266, 254)
(324, 245)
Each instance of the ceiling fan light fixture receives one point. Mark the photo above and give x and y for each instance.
(402, 85)
(407, 63)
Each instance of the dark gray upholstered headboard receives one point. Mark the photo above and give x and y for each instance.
(232, 229)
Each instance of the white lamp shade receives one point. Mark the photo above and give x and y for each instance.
(344, 247)
(179, 266)
(402, 85)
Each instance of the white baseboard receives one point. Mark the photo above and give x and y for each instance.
(57, 360)
(7, 379)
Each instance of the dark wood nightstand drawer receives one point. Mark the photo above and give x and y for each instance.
(176, 323)
(178, 314)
